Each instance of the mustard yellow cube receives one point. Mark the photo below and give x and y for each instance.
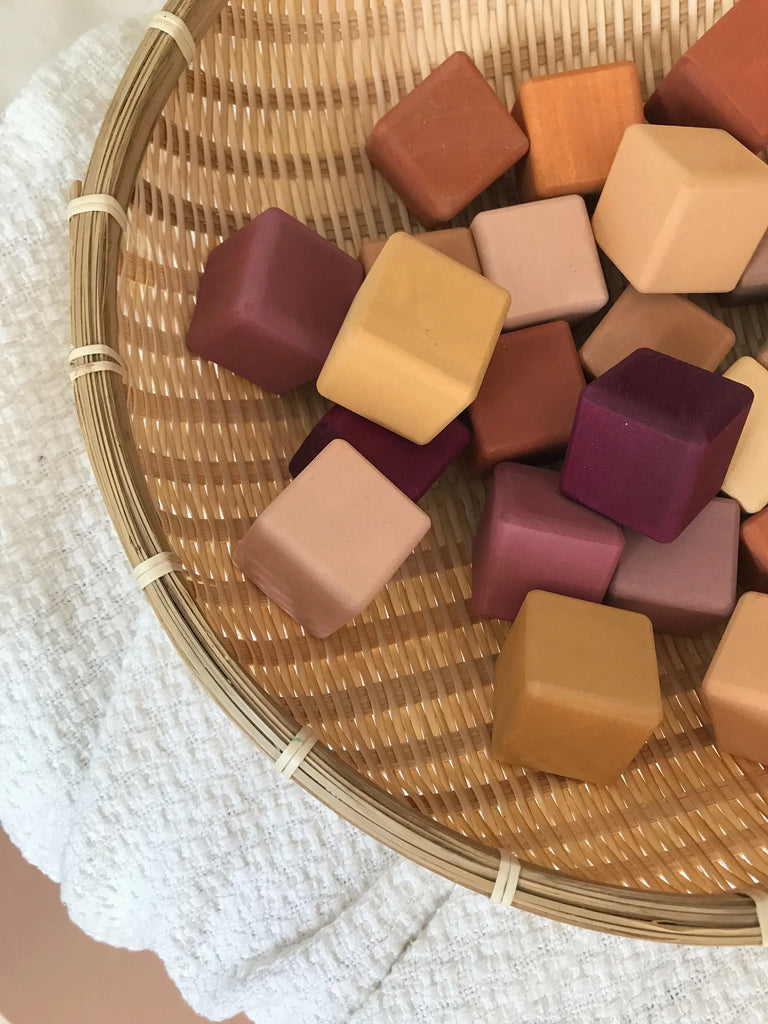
(415, 345)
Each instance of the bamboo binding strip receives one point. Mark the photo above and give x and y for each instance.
(273, 110)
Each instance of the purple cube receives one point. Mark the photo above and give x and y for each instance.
(530, 537)
(652, 440)
(411, 467)
(271, 302)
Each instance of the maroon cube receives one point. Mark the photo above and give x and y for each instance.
(271, 302)
(652, 440)
(411, 467)
(530, 537)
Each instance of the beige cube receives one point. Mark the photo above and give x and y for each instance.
(683, 209)
(747, 476)
(735, 688)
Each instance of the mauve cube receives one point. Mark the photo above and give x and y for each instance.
(530, 537)
(753, 283)
(652, 440)
(411, 467)
(689, 585)
(271, 302)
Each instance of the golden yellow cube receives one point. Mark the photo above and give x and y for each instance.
(747, 476)
(415, 345)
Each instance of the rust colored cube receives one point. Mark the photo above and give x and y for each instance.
(527, 401)
(574, 122)
(753, 552)
(446, 141)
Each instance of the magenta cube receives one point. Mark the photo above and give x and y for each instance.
(652, 440)
(411, 467)
(531, 537)
(272, 300)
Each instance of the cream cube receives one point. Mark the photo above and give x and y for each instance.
(747, 476)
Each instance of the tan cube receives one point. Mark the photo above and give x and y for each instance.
(576, 688)
(454, 242)
(747, 476)
(683, 209)
(735, 688)
(415, 345)
(331, 540)
(666, 323)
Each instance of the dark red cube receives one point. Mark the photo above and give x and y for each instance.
(272, 300)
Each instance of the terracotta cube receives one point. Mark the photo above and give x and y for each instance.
(574, 121)
(416, 343)
(735, 688)
(413, 468)
(527, 401)
(446, 141)
(544, 254)
(576, 689)
(753, 552)
(722, 80)
(454, 242)
(652, 440)
(331, 540)
(747, 476)
(683, 209)
(271, 302)
(688, 586)
(753, 283)
(530, 537)
(665, 323)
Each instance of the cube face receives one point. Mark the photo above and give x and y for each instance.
(722, 80)
(446, 141)
(753, 552)
(544, 254)
(666, 323)
(689, 585)
(530, 537)
(412, 468)
(747, 476)
(683, 209)
(331, 540)
(527, 401)
(651, 442)
(735, 688)
(574, 122)
(416, 343)
(576, 689)
(454, 242)
(271, 301)
(753, 283)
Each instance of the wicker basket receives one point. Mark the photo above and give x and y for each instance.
(273, 110)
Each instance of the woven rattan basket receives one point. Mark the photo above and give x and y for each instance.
(228, 109)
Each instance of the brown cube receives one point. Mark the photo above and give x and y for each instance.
(446, 141)
(753, 552)
(574, 122)
(454, 242)
(666, 323)
(527, 401)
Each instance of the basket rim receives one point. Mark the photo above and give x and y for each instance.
(717, 919)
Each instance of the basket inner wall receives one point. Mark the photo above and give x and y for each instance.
(275, 112)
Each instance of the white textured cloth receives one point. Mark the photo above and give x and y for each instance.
(166, 828)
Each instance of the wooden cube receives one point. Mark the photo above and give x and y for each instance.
(331, 540)
(683, 209)
(530, 537)
(687, 586)
(747, 476)
(722, 80)
(735, 688)
(271, 302)
(454, 242)
(574, 121)
(527, 401)
(665, 323)
(753, 552)
(544, 254)
(416, 343)
(446, 141)
(651, 442)
(576, 689)
(753, 283)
